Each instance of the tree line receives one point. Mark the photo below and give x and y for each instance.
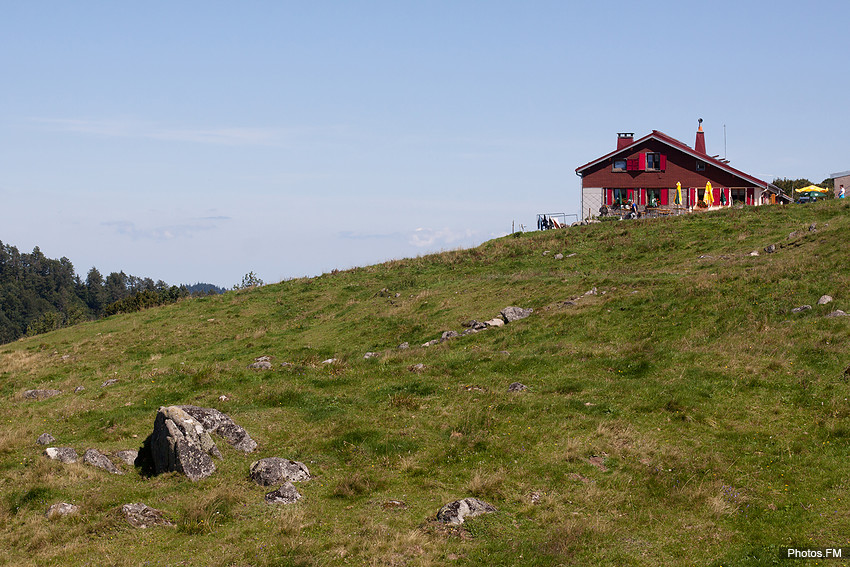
(40, 294)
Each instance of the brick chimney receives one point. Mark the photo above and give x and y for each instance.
(699, 145)
(625, 139)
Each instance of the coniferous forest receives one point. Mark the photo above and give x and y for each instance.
(40, 294)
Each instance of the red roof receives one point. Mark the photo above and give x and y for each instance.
(674, 143)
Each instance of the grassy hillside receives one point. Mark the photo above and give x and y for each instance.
(681, 415)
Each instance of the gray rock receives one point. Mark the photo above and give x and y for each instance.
(110, 382)
(449, 335)
(141, 516)
(475, 325)
(62, 454)
(770, 249)
(511, 314)
(419, 367)
(456, 512)
(546, 252)
(824, 299)
(286, 494)
(41, 394)
(801, 308)
(558, 256)
(61, 509)
(97, 459)
(222, 425)
(837, 313)
(180, 443)
(793, 235)
(754, 253)
(275, 470)
(79, 389)
(813, 227)
(329, 361)
(403, 346)
(369, 355)
(45, 439)
(129, 456)
(431, 343)
(517, 387)
(260, 365)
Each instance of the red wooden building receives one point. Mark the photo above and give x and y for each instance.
(645, 171)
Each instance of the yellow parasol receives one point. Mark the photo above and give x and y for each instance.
(678, 193)
(812, 189)
(709, 194)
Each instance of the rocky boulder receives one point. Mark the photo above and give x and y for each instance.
(824, 299)
(286, 494)
(141, 516)
(41, 394)
(275, 470)
(517, 387)
(61, 509)
(45, 439)
(222, 425)
(456, 512)
(97, 459)
(129, 456)
(511, 314)
(62, 454)
(180, 443)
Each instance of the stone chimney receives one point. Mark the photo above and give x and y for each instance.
(625, 139)
(699, 145)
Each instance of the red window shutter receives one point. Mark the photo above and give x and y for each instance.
(663, 200)
(610, 200)
(641, 162)
(663, 163)
(631, 165)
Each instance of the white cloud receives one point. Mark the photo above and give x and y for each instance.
(429, 237)
(170, 232)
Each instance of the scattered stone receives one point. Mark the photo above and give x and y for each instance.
(97, 459)
(801, 308)
(180, 443)
(534, 496)
(449, 335)
(546, 252)
(568, 303)
(329, 361)
(384, 293)
(62, 454)
(497, 322)
(754, 253)
(65, 357)
(473, 388)
(274, 470)
(793, 235)
(109, 382)
(286, 494)
(517, 387)
(397, 294)
(260, 365)
(475, 325)
(824, 299)
(570, 255)
(223, 398)
(419, 367)
(431, 343)
(45, 439)
(837, 313)
(221, 424)
(41, 394)
(456, 512)
(559, 256)
(813, 227)
(128, 456)
(511, 314)
(60, 510)
(369, 355)
(142, 516)
(770, 249)
(404, 345)
(591, 292)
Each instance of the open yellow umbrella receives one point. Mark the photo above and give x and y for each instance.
(812, 189)
(709, 194)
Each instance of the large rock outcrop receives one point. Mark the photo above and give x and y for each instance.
(222, 425)
(180, 443)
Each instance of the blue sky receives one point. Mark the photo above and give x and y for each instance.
(197, 141)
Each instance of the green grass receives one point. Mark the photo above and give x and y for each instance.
(682, 415)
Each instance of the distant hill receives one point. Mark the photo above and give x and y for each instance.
(204, 289)
(685, 402)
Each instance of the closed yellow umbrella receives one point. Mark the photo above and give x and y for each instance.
(709, 194)
(678, 193)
